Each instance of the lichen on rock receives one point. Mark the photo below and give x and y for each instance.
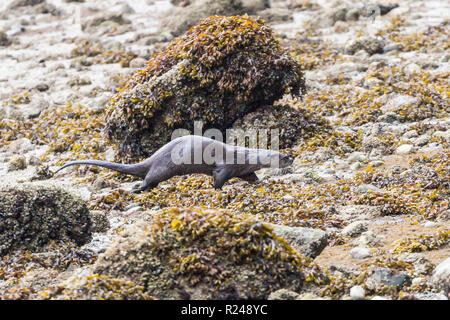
(31, 217)
(222, 69)
(207, 254)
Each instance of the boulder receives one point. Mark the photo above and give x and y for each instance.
(30, 217)
(206, 254)
(222, 69)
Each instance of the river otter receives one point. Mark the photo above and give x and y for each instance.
(197, 154)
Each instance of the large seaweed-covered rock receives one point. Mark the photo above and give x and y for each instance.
(207, 254)
(32, 216)
(222, 69)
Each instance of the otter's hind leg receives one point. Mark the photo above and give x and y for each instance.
(150, 182)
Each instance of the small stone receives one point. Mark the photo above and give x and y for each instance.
(309, 296)
(369, 44)
(364, 188)
(360, 253)
(398, 102)
(42, 87)
(441, 275)
(357, 156)
(307, 241)
(137, 63)
(389, 278)
(404, 149)
(133, 210)
(429, 224)
(412, 69)
(427, 295)
(417, 281)
(283, 294)
(373, 82)
(376, 163)
(368, 239)
(443, 135)
(422, 140)
(354, 229)
(17, 162)
(357, 293)
(100, 183)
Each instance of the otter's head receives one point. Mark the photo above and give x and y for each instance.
(278, 160)
(285, 160)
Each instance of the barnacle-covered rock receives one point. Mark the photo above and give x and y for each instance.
(32, 216)
(222, 69)
(208, 254)
(288, 116)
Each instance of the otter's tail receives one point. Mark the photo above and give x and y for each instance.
(132, 169)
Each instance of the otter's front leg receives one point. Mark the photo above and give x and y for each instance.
(220, 176)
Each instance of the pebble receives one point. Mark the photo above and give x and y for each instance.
(429, 224)
(357, 293)
(354, 229)
(364, 188)
(404, 149)
(17, 162)
(360, 253)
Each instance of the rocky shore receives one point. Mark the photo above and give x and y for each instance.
(360, 94)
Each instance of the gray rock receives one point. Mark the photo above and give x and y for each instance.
(429, 224)
(354, 229)
(441, 276)
(307, 241)
(360, 253)
(357, 212)
(369, 44)
(404, 149)
(427, 295)
(397, 102)
(412, 69)
(364, 188)
(422, 140)
(137, 63)
(388, 278)
(21, 146)
(17, 162)
(443, 135)
(283, 294)
(357, 156)
(368, 239)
